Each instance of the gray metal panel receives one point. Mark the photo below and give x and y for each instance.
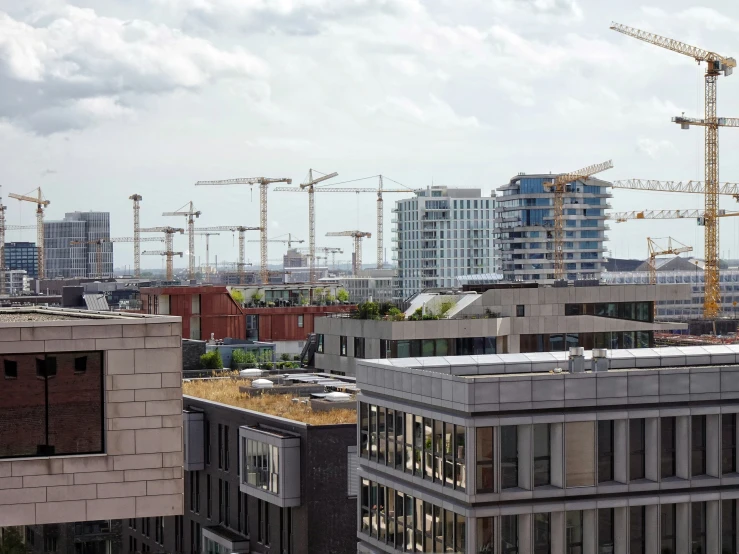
(193, 436)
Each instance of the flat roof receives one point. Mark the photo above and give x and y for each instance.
(33, 315)
(545, 362)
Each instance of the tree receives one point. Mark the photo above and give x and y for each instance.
(238, 296)
(368, 310)
(12, 542)
(256, 297)
(342, 295)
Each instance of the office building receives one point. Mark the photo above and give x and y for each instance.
(16, 282)
(66, 260)
(22, 255)
(524, 222)
(262, 474)
(497, 319)
(377, 285)
(631, 451)
(90, 416)
(440, 233)
(83, 537)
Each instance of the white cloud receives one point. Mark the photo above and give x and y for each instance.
(519, 93)
(68, 68)
(654, 148)
(564, 9)
(435, 113)
(707, 17)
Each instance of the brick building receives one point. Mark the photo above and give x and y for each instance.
(204, 309)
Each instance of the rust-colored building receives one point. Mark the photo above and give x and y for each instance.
(287, 327)
(204, 310)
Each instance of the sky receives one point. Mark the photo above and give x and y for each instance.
(102, 99)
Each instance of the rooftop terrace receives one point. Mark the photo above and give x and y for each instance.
(226, 391)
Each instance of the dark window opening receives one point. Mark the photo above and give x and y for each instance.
(11, 369)
(698, 436)
(667, 447)
(80, 364)
(636, 449)
(605, 451)
(728, 443)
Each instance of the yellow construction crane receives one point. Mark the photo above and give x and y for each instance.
(242, 248)
(289, 240)
(357, 236)
(188, 210)
(380, 209)
(309, 187)
(699, 215)
(40, 205)
(136, 240)
(263, 183)
(559, 188)
(137, 198)
(168, 246)
(207, 251)
(690, 187)
(326, 250)
(673, 248)
(715, 65)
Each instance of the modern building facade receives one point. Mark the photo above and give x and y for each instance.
(503, 319)
(377, 285)
(66, 260)
(634, 452)
(440, 233)
(22, 256)
(684, 308)
(90, 416)
(257, 483)
(82, 537)
(16, 282)
(524, 223)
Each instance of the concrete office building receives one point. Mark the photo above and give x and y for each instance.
(63, 259)
(630, 453)
(505, 318)
(378, 285)
(90, 416)
(16, 282)
(440, 233)
(260, 483)
(525, 228)
(22, 255)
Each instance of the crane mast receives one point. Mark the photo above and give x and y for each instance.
(715, 65)
(40, 205)
(242, 246)
(263, 183)
(168, 246)
(190, 214)
(357, 236)
(137, 198)
(309, 186)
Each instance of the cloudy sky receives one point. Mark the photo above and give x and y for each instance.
(100, 99)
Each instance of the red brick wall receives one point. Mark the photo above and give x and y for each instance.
(277, 324)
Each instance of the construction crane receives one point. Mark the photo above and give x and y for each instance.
(170, 257)
(98, 243)
(137, 198)
(380, 210)
(357, 236)
(40, 205)
(168, 246)
(207, 250)
(190, 214)
(656, 250)
(136, 241)
(309, 186)
(559, 188)
(326, 250)
(700, 215)
(289, 241)
(263, 183)
(715, 65)
(690, 187)
(242, 248)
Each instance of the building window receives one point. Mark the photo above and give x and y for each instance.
(636, 449)
(226, 504)
(485, 534)
(342, 345)
(206, 440)
(178, 533)
(220, 446)
(263, 522)
(698, 436)
(485, 480)
(359, 347)
(728, 526)
(605, 531)
(509, 534)
(56, 398)
(728, 443)
(50, 543)
(220, 500)
(520, 310)
(667, 529)
(300, 321)
(580, 453)
(542, 455)
(243, 523)
(542, 535)
(208, 497)
(573, 533)
(698, 527)
(637, 530)
(319, 347)
(262, 463)
(508, 457)
(226, 453)
(605, 451)
(668, 445)
(286, 530)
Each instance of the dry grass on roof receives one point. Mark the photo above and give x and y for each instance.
(226, 391)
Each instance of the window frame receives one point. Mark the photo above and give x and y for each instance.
(342, 345)
(637, 451)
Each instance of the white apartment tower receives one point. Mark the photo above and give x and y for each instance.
(439, 234)
(524, 224)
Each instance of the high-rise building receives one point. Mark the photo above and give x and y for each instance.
(22, 255)
(524, 222)
(442, 233)
(64, 259)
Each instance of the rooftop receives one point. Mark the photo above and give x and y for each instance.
(226, 391)
(40, 314)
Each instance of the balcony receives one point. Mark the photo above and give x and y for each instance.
(270, 466)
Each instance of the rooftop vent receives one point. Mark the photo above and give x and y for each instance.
(600, 359)
(262, 384)
(251, 372)
(577, 359)
(337, 397)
